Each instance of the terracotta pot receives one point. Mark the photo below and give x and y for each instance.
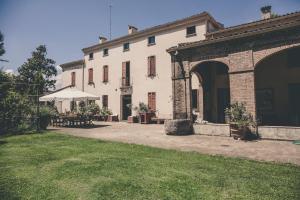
(238, 132)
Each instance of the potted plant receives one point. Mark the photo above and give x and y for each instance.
(144, 113)
(240, 120)
(105, 112)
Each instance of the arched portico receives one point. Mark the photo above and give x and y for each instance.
(277, 82)
(245, 56)
(212, 95)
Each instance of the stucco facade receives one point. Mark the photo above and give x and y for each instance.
(141, 84)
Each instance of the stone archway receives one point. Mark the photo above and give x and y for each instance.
(213, 93)
(277, 83)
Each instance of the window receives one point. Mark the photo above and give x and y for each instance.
(126, 46)
(104, 101)
(126, 73)
(190, 31)
(151, 66)
(105, 74)
(151, 40)
(152, 101)
(91, 56)
(105, 52)
(73, 78)
(90, 79)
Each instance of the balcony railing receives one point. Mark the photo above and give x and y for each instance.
(125, 82)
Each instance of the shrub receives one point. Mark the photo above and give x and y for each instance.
(46, 113)
(141, 108)
(238, 115)
(93, 109)
(82, 107)
(105, 111)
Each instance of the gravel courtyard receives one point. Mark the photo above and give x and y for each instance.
(153, 135)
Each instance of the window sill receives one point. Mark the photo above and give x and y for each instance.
(151, 76)
(125, 50)
(91, 59)
(105, 82)
(91, 83)
(105, 55)
(151, 44)
(191, 35)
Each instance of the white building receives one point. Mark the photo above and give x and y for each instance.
(136, 67)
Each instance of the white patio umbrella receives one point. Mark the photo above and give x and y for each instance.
(72, 94)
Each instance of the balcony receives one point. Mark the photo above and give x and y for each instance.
(126, 86)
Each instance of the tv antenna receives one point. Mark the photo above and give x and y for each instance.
(110, 8)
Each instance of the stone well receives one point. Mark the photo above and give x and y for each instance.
(179, 127)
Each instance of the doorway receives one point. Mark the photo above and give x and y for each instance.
(126, 106)
(223, 103)
(294, 104)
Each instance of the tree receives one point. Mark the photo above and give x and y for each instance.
(38, 70)
(2, 51)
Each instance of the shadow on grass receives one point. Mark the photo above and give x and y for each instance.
(79, 127)
(1, 143)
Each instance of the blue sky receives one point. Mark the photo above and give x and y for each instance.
(66, 26)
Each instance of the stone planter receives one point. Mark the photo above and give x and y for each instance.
(179, 127)
(113, 118)
(145, 118)
(238, 132)
(133, 119)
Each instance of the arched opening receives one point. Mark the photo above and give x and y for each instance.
(210, 92)
(277, 82)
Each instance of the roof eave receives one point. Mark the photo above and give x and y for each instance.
(153, 30)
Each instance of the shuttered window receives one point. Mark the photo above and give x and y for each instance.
(73, 78)
(90, 79)
(105, 74)
(151, 66)
(152, 101)
(126, 73)
(105, 101)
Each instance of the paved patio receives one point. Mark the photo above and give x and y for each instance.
(153, 135)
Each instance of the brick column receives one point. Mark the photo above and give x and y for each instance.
(242, 80)
(242, 89)
(181, 86)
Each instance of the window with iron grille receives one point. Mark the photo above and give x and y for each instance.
(191, 30)
(126, 46)
(73, 78)
(151, 40)
(105, 101)
(91, 56)
(105, 74)
(90, 78)
(151, 66)
(152, 101)
(105, 52)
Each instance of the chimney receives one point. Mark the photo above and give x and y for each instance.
(266, 12)
(132, 29)
(102, 39)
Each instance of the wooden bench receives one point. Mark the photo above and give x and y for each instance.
(158, 120)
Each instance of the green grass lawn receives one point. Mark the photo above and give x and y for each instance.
(55, 166)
